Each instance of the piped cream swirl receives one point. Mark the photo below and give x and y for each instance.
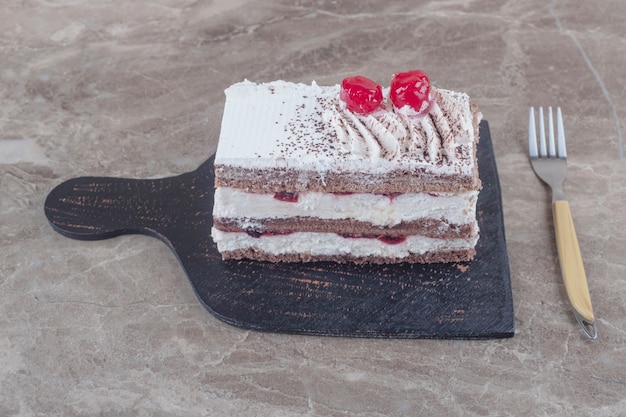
(389, 134)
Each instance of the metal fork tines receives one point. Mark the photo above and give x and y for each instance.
(549, 161)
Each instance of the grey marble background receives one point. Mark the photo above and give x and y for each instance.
(135, 89)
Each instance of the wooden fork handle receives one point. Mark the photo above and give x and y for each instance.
(572, 268)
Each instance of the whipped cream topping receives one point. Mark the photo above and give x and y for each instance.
(298, 126)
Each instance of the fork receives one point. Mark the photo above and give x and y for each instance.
(549, 162)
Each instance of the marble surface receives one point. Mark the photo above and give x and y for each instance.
(135, 89)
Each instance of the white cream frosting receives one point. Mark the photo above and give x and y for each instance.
(283, 124)
(378, 209)
(333, 244)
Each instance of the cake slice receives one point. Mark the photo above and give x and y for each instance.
(350, 173)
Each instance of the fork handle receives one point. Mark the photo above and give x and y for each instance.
(572, 268)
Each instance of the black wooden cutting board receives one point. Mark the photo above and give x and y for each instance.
(469, 300)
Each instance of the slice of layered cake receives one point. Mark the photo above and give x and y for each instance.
(347, 173)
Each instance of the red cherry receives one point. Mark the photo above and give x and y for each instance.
(392, 240)
(410, 88)
(361, 94)
(286, 197)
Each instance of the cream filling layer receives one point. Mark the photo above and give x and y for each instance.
(336, 245)
(378, 209)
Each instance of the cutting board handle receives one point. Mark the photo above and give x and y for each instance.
(170, 208)
(93, 208)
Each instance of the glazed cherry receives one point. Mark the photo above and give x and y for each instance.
(410, 88)
(361, 94)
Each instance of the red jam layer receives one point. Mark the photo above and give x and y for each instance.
(286, 197)
(293, 197)
(389, 240)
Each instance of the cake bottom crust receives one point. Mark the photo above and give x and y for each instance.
(456, 255)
